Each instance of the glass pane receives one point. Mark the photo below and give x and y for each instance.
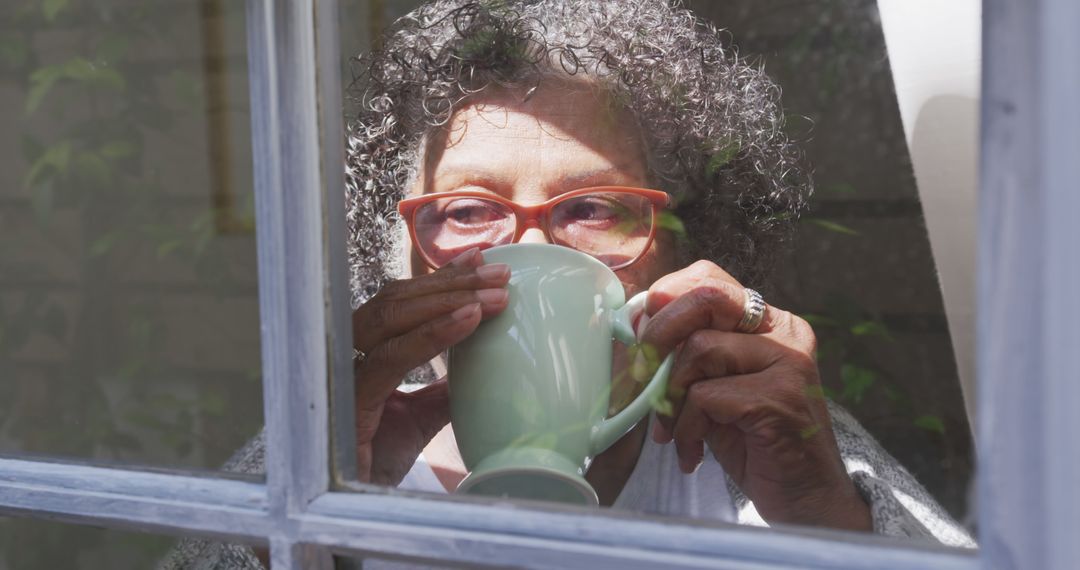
(846, 392)
(862, 272)
(129, 327)
(29, 544)
(374, 563)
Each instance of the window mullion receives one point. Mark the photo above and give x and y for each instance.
(1028, 281)
(489, 533)
(339, 312)
(145, 501)
(285, 553)
(292, 269)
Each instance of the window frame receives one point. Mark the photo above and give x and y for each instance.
(1031, 132)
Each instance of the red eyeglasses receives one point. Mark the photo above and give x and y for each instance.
(615, 224)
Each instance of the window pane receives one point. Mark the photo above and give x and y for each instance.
(374, 563)
(129, 326)
(862, 271)
(29, 544)
(809, 199)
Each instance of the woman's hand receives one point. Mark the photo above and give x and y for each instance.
(754, 399)
(406, 324)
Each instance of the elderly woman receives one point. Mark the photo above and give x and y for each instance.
(485, 103)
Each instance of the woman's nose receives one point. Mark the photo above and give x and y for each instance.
(533, 235)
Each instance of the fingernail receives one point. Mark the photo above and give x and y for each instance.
(642, 322)
(688, 467)
(465, 312)
(465, 257)
(493, 271)
(492, 296)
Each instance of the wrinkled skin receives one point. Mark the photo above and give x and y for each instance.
(753, 399)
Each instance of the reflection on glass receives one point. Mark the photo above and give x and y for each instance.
(861, 271)
(128, 298)
(373, 563)
(529, 100)
(28, 544)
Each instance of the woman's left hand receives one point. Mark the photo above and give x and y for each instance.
(754, 398)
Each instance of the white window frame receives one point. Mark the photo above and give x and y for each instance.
(1028, 307)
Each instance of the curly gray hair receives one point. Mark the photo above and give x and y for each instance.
(712, 125)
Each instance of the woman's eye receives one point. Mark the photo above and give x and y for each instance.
(592, 210)
(471, 212)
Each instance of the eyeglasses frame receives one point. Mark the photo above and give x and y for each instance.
(535, 216)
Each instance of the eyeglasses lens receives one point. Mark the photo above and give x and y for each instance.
(447, 227)
(614, 227)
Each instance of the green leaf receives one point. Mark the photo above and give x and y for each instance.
(662, 405)
(103, 244)
(930, 423)
(118, 149)
(815, 392)
(76, 69)
(819, 320)
(90, 167)
(857, 380)
(51, 8)
(109, 77)
(168, 247)
(669, 221)
(81, 69)
(870, 328)
(544, 441)
(723, 156)
(809, 431)
(778, 217)
(47, 72)
(832, 226)
(57, 158)
(38, 91)
(839, 188)
(644, 361)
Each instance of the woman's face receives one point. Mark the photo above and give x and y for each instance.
(564, 137)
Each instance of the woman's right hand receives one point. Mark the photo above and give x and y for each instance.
(403, 326)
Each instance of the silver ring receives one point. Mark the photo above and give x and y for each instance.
(753, 312)
(358, 355)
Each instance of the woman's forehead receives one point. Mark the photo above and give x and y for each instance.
(557, 109)
(565, 133)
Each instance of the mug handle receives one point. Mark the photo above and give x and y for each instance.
(609, 430)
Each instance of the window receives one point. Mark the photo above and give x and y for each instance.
(294, 56)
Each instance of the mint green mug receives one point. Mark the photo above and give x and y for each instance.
(529, 389)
